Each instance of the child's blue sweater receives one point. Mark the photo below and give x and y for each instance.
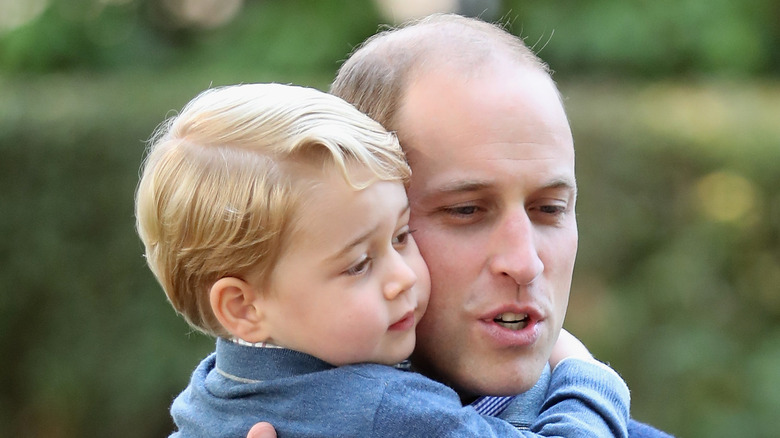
(302, 396)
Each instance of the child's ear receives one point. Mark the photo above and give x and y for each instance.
(239, 308)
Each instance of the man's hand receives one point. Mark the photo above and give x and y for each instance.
(262, 430)
(568, 346)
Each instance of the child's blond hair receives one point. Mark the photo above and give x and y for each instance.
(215, 198)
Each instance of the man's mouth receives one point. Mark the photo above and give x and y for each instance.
(512, 321)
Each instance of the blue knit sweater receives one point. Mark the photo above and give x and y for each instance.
(302, 396)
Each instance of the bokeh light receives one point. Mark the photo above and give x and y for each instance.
(207, 14)
(16, 13)
(398, 11)
(726, 196)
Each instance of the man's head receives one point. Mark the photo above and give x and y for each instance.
(377, 74)
(221, 190)
(492, 193)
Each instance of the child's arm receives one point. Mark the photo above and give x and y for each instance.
(585, 399)
(587, 392)
(594, 404)
(568, 346)
(587, 396)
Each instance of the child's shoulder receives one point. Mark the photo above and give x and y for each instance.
(399, 380)
(387, 372)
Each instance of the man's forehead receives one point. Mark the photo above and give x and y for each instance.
(522, 94)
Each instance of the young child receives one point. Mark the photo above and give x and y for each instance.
(275, 218)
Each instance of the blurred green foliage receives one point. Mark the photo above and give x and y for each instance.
(678, 275)
(674, 107)
(650, 39)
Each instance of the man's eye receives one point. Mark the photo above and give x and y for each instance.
(359, 268)
(550, 214)
(464, 210)
(552, 209)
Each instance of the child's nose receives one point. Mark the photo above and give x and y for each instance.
(400, 278)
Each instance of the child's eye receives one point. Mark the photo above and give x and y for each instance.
(402, 238)
(360, 267)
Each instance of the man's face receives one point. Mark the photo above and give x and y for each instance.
(492, 196)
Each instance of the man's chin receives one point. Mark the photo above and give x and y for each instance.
(498, 384)
(501, 386)
(497, 389)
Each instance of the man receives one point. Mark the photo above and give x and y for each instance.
(492, 198)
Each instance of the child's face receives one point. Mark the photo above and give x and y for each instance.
(351, 286)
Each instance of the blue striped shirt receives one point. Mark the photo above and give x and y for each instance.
(492, 406)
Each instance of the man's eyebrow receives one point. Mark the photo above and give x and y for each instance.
(463, 186)
(562, 184)
(477, 185)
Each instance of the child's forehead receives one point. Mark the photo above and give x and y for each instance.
(330, 213)
(332, 187)
(313, 172)
(311, 183)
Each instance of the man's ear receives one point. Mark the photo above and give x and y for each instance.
(239, 308)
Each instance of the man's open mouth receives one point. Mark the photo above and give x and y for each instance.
(512, 321)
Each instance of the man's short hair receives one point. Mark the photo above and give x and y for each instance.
(375, 77)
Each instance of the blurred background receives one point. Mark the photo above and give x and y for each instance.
(675, 108)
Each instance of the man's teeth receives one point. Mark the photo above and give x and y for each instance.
(512, 321)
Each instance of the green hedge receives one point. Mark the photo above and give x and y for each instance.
(678, 274)
(673, 287)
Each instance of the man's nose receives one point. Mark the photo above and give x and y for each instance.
(515, 251)
(400, 276)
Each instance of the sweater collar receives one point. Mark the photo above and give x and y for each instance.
(525, 407)
(258, 364)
